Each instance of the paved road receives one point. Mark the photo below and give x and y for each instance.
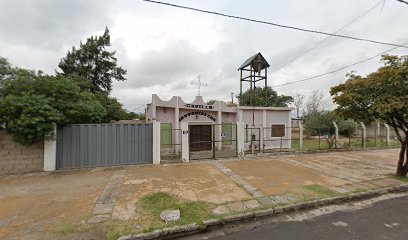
(386, 219)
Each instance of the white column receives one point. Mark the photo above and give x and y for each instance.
(240, 139)
(300, 136)
(363, 127)
(218, 130)
(264, 134)
(185, 152)
(50, 152)
(264, 117)
(176, 125)
(153, 106)
(288, 131)
(240, 116)
(261, 138)
(387, 136)
(336, 134)
(156, 142)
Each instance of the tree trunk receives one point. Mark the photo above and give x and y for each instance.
(402, 167)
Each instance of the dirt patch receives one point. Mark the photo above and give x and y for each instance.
(274, 177)
(358, 165)
(31, 206)
(196, 182)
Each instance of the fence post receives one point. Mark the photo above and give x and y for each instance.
(364, 135)
(377, 133)
(156, 142)
(387, 134)
(336, 134)
(185, 152)
(50, 151)
(300, 136)
(240, 139)
(261, 138)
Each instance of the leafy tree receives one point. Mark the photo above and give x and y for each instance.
(114, 109)
(381, 95)
(230, 104)
(93, 62)
(321, 124)
(211, 101)
(274, 100)
(133, 115)
(6, 71)
(31, 103)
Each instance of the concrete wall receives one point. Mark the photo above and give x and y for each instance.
(15, 158)
(266, 121)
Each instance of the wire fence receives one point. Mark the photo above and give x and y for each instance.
(295, 139)
(274, 140)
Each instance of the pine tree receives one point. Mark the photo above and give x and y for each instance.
(93, 64)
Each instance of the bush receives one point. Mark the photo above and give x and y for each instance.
(30, 105)
(321, 124)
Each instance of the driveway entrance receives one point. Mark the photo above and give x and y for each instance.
(212, 141)
(200, 137)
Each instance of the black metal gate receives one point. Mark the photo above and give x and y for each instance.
(212, 141)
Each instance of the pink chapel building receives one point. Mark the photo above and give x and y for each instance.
(214, 127)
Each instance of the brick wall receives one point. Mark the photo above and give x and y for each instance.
(15, 158)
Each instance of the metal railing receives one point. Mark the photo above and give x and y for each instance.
(171, 151)
(223, 143)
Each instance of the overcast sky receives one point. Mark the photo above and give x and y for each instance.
(164, 48)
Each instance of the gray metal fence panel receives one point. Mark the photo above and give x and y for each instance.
(98, 145)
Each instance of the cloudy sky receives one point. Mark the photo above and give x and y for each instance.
(164, 48)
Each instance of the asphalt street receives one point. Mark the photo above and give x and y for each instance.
(386, 219)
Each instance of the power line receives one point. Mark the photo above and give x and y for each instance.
(339, 69)
(402, 1)
(276, 24)
(328, 37)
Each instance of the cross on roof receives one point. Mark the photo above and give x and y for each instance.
(198, 83)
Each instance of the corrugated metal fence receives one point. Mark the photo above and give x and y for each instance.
(97, 145)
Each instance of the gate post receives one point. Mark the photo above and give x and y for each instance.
(261, 139)
(241, 139)
(50, 151)
(336, 134)
(364, 129)
(156, 142)
(185, 148)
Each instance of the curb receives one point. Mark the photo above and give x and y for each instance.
(178, 231)
(298, 152)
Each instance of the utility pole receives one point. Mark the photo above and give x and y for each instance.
(232, 97)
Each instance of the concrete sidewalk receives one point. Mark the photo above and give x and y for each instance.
(34, 205)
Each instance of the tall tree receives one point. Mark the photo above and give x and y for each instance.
(6, 71)
(298, 100)
(94, 63)
(381, 95)
(273, 100)
(314, 104)
(114, 109)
